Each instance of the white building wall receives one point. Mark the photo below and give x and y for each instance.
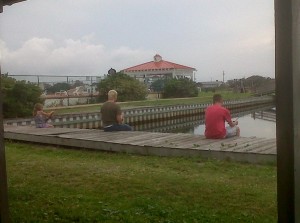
(64, 102)
(179, 73)
(140, 75)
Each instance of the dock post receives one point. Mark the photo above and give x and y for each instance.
(287, 49)
(4, 210)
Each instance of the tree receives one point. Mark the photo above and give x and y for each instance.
(178, 88)
(128, 88)
(58, 87)
(77, 84)
(158, 85)
(19, 97)
(256, 81)
(253, 81)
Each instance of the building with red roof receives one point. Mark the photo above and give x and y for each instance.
(159, 68)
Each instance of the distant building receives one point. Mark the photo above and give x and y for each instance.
(159, 68)
(90, 89)
(211, 84)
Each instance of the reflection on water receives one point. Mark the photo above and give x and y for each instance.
(180, 125)
(260, 124)
(250, 127)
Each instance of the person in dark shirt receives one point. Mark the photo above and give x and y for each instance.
(112, 116)
(215, 117)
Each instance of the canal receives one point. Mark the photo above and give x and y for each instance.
(256, 118)
(259, 123)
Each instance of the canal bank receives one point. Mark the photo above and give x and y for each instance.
(146, 115)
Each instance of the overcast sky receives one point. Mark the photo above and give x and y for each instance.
(88, 37)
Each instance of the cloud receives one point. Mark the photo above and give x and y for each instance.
(89, 37)
(44, 56)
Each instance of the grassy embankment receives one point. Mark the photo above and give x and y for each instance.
(47, 184)
(203, 97)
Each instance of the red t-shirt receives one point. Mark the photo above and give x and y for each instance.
(215, 117)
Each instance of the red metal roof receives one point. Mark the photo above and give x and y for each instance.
(160, 65)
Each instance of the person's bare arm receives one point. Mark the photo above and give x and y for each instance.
(47, 114)
(233, 123)
(120, 118)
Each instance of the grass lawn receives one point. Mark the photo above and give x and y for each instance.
(51, 184)
(204, 97)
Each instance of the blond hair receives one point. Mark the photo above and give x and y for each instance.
(112, 94)
(37, 107)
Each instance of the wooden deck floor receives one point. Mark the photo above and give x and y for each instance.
(251, 149)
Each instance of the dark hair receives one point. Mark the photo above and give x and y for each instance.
(217, 98)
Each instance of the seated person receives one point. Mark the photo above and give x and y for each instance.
(112, 116)
(41, 117)
(215, 117)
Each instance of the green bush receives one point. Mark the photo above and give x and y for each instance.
(60, 87)
(128, 88)
(180, 88)
(158, 85)
(19, 97)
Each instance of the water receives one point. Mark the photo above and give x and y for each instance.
(249, 127)
(261, 124)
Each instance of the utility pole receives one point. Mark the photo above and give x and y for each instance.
(223, 76)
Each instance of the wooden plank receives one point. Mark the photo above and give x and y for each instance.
(221, 144)
(120, 139)
(141, 137)
(150, 143)
(181, 141)
(256, 144)
(236, 144)
(270, 147)
(158, 141)
(201, 142)
(41, 131)
(98, 136)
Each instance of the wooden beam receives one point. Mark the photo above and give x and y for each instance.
(8, 2)
(1, 6)
(287, 28)
(4, 211)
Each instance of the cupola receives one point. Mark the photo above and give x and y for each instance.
(157, 58)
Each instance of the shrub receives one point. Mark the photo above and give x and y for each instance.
(19, 97)
(179, 88)
(128, 88)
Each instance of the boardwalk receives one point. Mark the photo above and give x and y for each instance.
(251, 149)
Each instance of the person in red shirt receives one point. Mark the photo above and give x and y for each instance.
(215, 117)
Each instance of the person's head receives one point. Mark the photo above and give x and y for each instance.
(217, 98)
(37, 107)
(112, 95)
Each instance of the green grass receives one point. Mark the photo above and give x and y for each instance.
(204, 97)
(50, 184)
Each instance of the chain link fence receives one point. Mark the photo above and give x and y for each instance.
(65, 90)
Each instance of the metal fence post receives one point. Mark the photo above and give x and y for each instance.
(67, 91)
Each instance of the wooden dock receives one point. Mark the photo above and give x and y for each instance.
(244, 149)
